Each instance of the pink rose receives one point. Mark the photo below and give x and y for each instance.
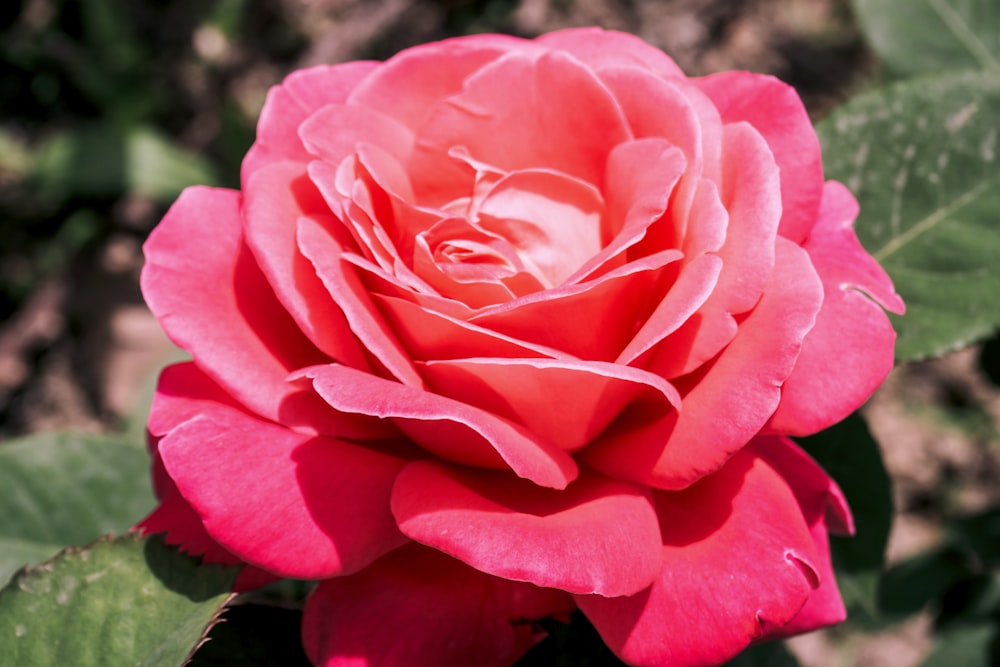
(499, 329)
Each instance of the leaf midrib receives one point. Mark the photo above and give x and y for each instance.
(963, 33)
(934, 219)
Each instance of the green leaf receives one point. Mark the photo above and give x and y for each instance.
(969, 646)
(159, 169)
(851, 456)
(980, 534)
(925, 36)
(921, 157)
(970, 601)
(61, 489)
(105, 160)
(909, 586)
(122, 602)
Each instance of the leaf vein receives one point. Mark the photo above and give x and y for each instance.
(954, 21)
(932, 220)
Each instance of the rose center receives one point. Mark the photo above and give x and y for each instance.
(540, 221)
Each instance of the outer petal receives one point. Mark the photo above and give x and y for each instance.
(777, 112)
(565, 402)
(819, 496)
(823, 507)
(448, 428)
(411, 82)
(183, 528)
(602, 49)
(512, 114)
(289, 104)
(298, 506)
(727, 402)
(183, 392)
(597, 536)
(335, 131)
(418, 607)
(204, 287)
(850, 350)
(737, 556)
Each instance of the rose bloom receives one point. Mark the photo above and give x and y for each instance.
(500, 329)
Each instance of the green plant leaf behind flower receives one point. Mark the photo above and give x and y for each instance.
(925, 36)
(922, 157)
(127, 601)
(968, 646)
(61, 489)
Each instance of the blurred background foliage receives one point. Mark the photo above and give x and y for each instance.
(109, 108)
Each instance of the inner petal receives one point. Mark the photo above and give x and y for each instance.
(519, 112)
(553, 220)
(467, 263)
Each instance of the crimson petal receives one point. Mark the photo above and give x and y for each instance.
(850, 350)
(208, 293)
(738, 558)
(596, 536)
(448, 428)
(297, 505)
(419, 607)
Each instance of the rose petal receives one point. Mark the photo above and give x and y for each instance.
(369, 192)
(818, 495)
(602, 49)
(639, 184)
(182, 527)
(823, 507)
(554, 221)
(620, 296)
(209, 295)
(379, 281)
(737, 556)
(693, 287)
(419, 607)
(748, 189)
(428, 334)
(676, 111)
(850, 350)
(777, 112)
(596, 536)
(342, 283)
(276, 196)
(448, 428)
(748, 196)
(411, 82)
(469, 264)
(512, 114)
(566, 403)
(728, 402)
(182, 392)
(299, 506)
(334, 132)
(290, 103)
